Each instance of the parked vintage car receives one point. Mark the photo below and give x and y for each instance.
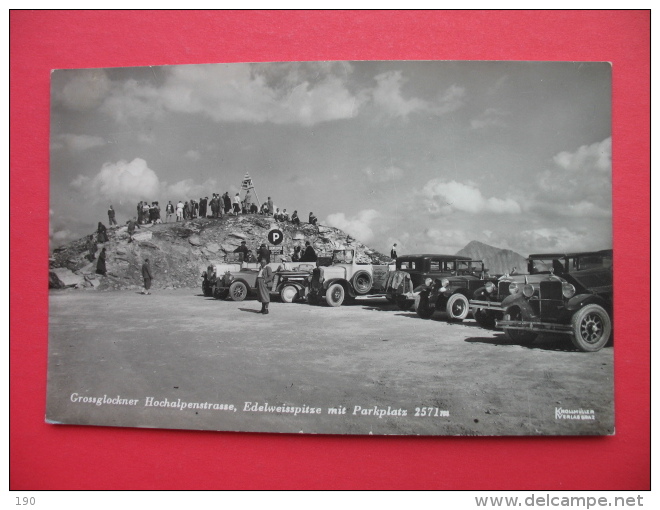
(346, 279)
(414, 271)
(237, 279)
(452, 293)
(565, 293)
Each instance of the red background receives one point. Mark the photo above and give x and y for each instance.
(69, 457)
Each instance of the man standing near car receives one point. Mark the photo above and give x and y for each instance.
(264, 277)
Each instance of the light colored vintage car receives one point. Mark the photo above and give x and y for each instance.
(346, 278)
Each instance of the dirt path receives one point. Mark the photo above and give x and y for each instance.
(369, 359)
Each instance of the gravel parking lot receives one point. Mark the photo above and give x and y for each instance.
(176, 359)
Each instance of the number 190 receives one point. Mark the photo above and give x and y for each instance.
(25, 501)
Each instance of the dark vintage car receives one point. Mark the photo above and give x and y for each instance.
(452, 293)
(237, 279)
(565, 293)
(413, 271)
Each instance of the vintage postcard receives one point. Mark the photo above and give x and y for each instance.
(416, 248)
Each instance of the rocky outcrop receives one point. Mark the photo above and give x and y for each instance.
(497, 260)
(180, 251)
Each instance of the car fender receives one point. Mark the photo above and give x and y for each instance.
(249, 287)
(518, 301)
(481, 294)
(297, 285)
(582, 300)
(343, 282)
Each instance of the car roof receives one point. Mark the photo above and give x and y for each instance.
(434, 256)
(573, 254)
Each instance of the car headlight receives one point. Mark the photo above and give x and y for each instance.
(490, 287)
(428, 282)
(444, 282)
(527, 290)
(513, 288)
(568, 290)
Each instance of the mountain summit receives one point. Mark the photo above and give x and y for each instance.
(180, 251)
(497, 260)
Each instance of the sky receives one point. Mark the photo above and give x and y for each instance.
(430, 155)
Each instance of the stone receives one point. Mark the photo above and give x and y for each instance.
(67, 277)
(240, 235)
(298, 236)
(143, 236)
(213, 247)
(195, 240)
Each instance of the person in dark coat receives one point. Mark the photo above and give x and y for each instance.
(102, 235)
(131, 228)
(271, 209)
(100, 265)
(294, 218)
(312, 218)
(393, 252)
(91, 246)
(297, 253)
(263, 279)
(111, 217)
(309, 255)
(263, 253)
(147, 276)
(227, 202)
(243, 249)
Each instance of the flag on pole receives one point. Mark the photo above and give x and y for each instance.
(247, 182)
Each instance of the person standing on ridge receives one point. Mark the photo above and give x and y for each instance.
(393, 252)
(147, 276)
(111, 217)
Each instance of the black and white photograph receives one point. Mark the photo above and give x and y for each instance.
(337, 247)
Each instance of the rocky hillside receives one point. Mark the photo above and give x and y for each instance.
(179, 252)
(497, 260)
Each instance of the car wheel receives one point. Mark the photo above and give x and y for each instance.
(288, 294)
(516, 335)
(237, 291)
(458, 307)
(362, 282)
(591, 328)
(484, 318)
(423, 309)
(334, 296)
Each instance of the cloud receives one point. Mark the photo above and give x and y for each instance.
(580, 184)
(238, 93)
(189, 189)
(359, 226)
(193, 155)
(587, 158)
(133, 100)
(121, 181)
(77, 143)
(442, 197)
(491, 117)
(388, 96)
(382, 175)
(81, 89)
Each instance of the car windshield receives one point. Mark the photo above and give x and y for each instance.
(342, 256)
(557, 266)
(406, 264)
(591, 262)
(468, 266)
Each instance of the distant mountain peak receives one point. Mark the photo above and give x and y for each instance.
(497, 260)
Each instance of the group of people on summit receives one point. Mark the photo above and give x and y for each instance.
(217, 207)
